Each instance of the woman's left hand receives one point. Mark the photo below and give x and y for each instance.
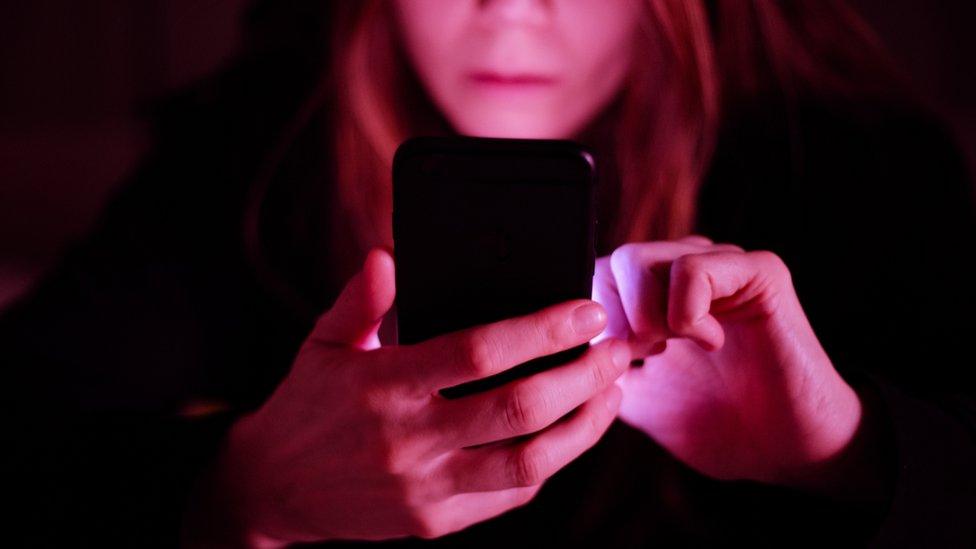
(735, 384)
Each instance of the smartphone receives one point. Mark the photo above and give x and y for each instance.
(487, 229)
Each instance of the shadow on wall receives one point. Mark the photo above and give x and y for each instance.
(78, 72)
(934, 42)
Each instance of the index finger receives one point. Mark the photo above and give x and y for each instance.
(483, 351)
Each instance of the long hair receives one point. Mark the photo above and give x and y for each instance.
(698, 58)
(662, 128)
(662, 123)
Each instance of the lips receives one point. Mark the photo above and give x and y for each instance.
(514, 80)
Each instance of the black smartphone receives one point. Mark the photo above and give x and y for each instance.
(486, 229)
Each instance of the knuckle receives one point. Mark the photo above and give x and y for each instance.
(423, 531)
(695, 240)
(395, 461)
(529, 466)
(690, 270)
(687, 265)
(550, 331)
(624, 254)
(774, 272)
(419, 489)
(602, 367)
(479, 353)
(771, 261)
(524, 410)
(430, 525)
(400, 454)
(383, 413)
(525, 496)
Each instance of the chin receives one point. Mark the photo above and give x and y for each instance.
(510, 127)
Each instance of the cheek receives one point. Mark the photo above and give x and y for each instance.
(599, 39)
(432, 33)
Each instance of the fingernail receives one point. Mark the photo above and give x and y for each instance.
(589, 318)
(620, 354)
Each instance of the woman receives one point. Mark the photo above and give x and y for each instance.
(195, 387)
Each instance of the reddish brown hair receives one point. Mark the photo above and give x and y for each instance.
(663, 126)
(698, 59)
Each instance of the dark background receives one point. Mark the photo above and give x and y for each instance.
(77, 78)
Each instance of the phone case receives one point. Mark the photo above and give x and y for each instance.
(487, 229)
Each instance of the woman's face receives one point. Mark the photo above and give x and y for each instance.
(520, 68)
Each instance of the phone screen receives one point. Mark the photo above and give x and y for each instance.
(488, 229)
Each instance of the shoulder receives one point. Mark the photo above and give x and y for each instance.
(850, 162)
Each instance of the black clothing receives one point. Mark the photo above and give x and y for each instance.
(868, 205)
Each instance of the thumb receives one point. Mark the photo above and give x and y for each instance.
(606, 293)
(355, 317)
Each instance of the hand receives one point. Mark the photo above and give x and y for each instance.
(356, 443)
(735, 383)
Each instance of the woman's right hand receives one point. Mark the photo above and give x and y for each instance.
(356, 442)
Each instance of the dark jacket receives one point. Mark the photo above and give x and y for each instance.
(869, 205)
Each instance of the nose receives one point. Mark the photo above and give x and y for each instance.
(526, 12)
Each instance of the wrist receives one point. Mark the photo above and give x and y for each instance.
(857, 472)
(217, 514)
